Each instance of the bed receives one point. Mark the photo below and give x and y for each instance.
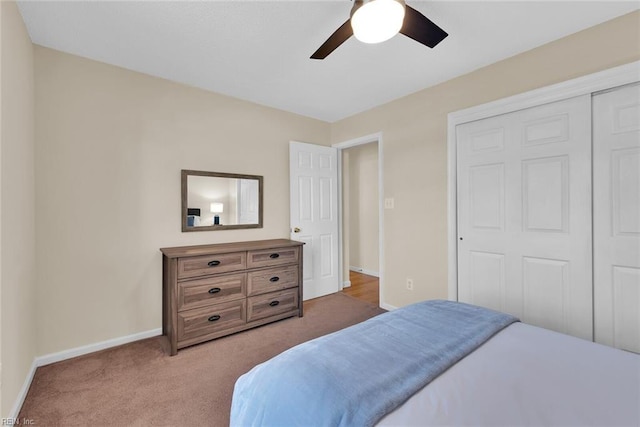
(442, 363)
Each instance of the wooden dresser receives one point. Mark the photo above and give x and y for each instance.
(210, 291)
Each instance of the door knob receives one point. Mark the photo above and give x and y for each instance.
(296, 230)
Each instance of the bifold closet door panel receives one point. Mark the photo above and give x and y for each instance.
(616, 181)
(524, 215)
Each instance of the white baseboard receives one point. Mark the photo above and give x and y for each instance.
(74, 352)
(13, 414)
(388, 307)
(346, 284)
(91, 348)
(364, 271)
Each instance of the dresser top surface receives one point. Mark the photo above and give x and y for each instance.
(187, 251)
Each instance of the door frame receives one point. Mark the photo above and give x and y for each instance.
(367, 139)
(588, 84)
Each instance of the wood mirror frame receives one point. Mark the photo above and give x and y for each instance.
(186, 226)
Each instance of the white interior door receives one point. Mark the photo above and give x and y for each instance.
(524, 215)
(314, 215)
(248, 210)
(616, 182)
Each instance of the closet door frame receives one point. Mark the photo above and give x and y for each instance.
(603, 80)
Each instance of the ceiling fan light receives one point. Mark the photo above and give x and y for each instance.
(375, 21)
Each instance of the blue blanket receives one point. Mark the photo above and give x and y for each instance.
(355, 376)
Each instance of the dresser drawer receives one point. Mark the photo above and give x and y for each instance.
(211, 290)
(261, 306)
(272, 279)
(202, 321)
(211, 264)
(269, 257)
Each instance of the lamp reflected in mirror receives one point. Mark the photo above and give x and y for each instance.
(216, 208)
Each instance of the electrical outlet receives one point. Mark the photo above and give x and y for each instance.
(389, 203)
(410, 284)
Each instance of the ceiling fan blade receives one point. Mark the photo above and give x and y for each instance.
(421, 29)
(336, 39)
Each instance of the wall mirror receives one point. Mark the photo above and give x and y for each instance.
(220, 201)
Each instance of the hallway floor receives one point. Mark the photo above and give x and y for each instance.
(364, 287)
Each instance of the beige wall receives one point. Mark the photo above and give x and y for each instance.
(363, 206)
(110, 147)
(415, 151)
(17, 213)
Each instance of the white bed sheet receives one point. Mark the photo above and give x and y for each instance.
(528, 376)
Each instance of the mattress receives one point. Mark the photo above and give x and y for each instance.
(531, 376)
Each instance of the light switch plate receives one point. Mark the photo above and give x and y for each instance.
(388, 203)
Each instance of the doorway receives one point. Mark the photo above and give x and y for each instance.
(361, 231)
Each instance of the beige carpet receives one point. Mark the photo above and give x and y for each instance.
(140, 384)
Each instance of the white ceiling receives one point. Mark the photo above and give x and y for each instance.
(259, 50)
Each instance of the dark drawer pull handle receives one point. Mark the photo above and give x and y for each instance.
(213, 318)
(214, 290)
(274, 256)
(213, 263)
(274, 279)
(274, 303)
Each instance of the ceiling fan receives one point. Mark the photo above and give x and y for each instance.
(374, 21)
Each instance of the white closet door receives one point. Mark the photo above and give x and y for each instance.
(524, 215)
(616, 181)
